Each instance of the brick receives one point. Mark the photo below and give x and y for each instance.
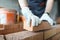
(25, 35)
(57, 28)
(49, 33)
(1, 37)
(1, 27)
(11, 28)
(58, 20)
(56, 37)
(43, 26)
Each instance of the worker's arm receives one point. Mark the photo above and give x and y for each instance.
(23, 3)
(49, 5)
(48, 8)
(28, 14)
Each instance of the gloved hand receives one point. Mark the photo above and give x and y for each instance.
(47, 18)
(30, 17)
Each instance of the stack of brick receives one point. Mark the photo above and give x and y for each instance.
(50, 34)
(47, 32)
(11, 28)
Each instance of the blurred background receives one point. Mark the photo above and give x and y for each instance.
(13, 4)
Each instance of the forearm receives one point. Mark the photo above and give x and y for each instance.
(24, 7)
(49, 5)
(23, 3)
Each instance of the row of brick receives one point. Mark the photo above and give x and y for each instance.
(50, 34)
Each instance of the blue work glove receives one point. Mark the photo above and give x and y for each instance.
(30, 17)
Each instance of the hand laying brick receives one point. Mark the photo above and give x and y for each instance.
(43, 26)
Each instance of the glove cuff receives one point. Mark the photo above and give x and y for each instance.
(47, 13)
